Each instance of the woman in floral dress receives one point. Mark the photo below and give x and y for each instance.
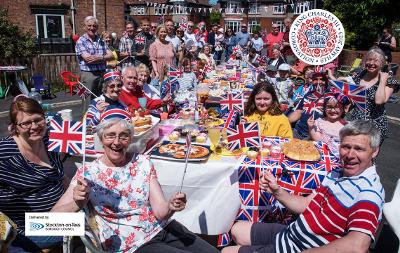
(379, 87)
(131, 211)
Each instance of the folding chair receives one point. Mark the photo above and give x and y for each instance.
(41, 85)
(69, 80)
(391, 211)
(345, 70)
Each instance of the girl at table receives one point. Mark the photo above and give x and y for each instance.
(263, 107)
(327, 128)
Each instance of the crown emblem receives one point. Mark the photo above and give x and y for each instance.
(317, 37)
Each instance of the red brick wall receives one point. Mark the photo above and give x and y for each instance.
(347, 57)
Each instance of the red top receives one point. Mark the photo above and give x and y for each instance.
(131, 99)
(273, 39)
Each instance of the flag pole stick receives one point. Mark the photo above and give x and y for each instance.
(186, 163)
(87, 89)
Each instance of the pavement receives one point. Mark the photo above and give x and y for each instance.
(387, 161)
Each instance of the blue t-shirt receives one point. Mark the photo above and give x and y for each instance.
(242, 38)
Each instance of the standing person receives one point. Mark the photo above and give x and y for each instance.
(153, 28)
(202, 33)
(212, 35)
(230, 42)
(219, 45)
(126, 42)
(387, 43)
(161, 52)
(256, 42)
(92, 53)
(378, 90)
(286, 49)
(243, 37)
(140, 48)
(190, 35)
(273, 38)
(341, 215)
(106, 36)
(31, 177)
(171, 37)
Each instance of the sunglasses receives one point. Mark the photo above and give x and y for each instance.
(112, 86)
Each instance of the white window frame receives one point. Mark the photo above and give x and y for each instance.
(252, 24)
(254, 8)
(44, 24)
(233, 24)
(301, 7)
(176, 10)
(137, 11)
(232, 8)
(281, 25)
(159, 10)
(279, 9)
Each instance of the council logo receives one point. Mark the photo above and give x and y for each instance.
(316, 37)
(35, 225)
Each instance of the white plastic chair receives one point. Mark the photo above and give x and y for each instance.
(391, 211)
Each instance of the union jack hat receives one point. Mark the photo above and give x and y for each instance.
(111, 75)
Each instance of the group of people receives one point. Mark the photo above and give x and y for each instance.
(131, 211)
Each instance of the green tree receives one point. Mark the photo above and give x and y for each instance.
(364, 20)
(215, 17)
(14, 43)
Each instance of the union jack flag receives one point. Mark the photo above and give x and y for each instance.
(183, 24)
(230, 119)
(115, 112)
(140, 40)
(224, 240)
(65, 136)
(232, 102)
(82, 91)
(310, 106)
(243, 135)
(173, 72)
(356, 93)
(208, 68)
(237, 49)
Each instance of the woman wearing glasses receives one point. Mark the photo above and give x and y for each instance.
(112, 87)
(31, 178)
(132, 213)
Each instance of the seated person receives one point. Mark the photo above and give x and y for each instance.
(283, 84)
(31, 177)
(327, 128)
(263, 107)
(188, 81)
(149, 90)
(207, 55)
(131, 92)
(342, 215)
(252, 57)
(299, 89)
(269, 74)
(112, 86)
(131, 211)
(277, 59)
(309, 106)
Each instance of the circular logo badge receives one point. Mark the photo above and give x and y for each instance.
(316, 37)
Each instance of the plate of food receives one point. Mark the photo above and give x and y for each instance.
(301, 150)
(143, 124)
(177, 151)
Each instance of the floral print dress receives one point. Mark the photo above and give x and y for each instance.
(120, 196)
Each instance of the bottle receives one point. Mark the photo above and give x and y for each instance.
(35, 95)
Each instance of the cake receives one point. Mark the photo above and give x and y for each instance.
(201, 138)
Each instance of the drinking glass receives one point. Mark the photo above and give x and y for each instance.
(214, 133)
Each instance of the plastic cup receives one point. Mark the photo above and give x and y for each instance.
(66, 114)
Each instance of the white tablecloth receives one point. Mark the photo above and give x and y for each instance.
(212, 193)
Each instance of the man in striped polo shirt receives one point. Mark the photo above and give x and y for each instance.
(342, 215)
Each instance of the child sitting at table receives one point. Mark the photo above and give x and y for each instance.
(327, 128)
(188, 80)
(263, 107)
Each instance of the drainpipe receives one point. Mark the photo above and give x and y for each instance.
(94, 8)
(73, 17)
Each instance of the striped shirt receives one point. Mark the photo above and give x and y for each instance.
(341, 205)
(25, 186)
(96, 47)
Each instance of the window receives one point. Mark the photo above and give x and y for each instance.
(234, 25)
(281, 25)
(301, 7)
(279, 9)
(254, 8)
(179, 9)
(253, 24)
(159, 10)
(232, 8)
(137, 11)
(50, 26)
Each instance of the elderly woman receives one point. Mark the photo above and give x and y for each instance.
(161, 52)
(131, 211)
(277, 58)
(112, 86)
(378, 90)
(31, 178)
(207, 55)
(149, 90)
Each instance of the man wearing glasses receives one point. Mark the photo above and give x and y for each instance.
(191, 36)
(243, 37)
(273, 38)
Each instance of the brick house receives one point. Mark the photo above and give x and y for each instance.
(261, 12)
(53, 22)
